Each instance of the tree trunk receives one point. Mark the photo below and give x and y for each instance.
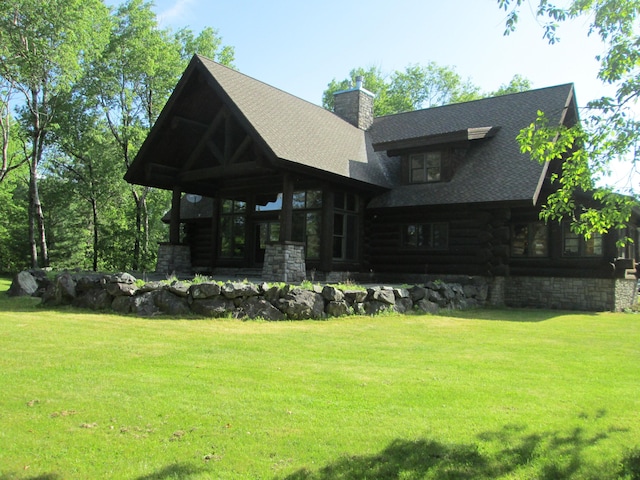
(94, 208)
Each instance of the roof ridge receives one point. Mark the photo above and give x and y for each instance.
(484, 99)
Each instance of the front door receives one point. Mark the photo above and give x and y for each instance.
(265, 232)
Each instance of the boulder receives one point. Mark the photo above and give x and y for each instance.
(121, 277)
(213, 307)
(427, 306)
(145, 305)
(151, 286)
(256, 307)
(272, 294)
(332, 294)
(95, 299)
(24, 284)
(122, 289)
(199, 291)
(301, 304)
(374, 307)
(62, 291)
(240, 289)
(170, 303)
(417, 293)
(383, 295)
(122, 304)
(355, 296)
(401, 293)
(86, 282)
(181, 289)
(337, 308)
(403, 305)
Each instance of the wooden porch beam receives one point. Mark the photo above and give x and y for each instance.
(202, 143)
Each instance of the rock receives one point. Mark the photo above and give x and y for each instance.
(427, 306)
(88, 281)
(151, 286)
(23, 285)
(121, 277)
(417, 293)
(355, 296)
(62, 291)
(199, 291)
(170, 303)
(213, 307)
(95, 299)
(240, 289)
(401, 293)
(337, 308)
(121, 289)
(300, 304)
(178, 288)
(435, 297)
(272, 294)
(470, 291)
(255, 307)
(122, 304)
(145, 305)
(373, 307)
(381, 295)
(403, 305)
(332, 294)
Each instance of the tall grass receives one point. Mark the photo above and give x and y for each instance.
(488, 394)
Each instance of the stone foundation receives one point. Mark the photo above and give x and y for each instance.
(173, 259)
(590, 294)
(284, 262)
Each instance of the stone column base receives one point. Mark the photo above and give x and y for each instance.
(284, 262)
(173, 259)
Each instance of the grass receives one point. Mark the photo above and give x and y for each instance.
(483, 394)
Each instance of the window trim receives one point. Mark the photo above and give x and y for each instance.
(596, 239)
(407, 245)
(530, 240)
(425, 168)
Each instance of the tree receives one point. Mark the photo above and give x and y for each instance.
(610, 130)
(130, 82)
(43, 47)
(418, 86)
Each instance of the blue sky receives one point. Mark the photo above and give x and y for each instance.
(300, 46)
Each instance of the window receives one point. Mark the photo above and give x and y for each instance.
(345, 226)
(232, 229)
(575, 245)
(307, 219)
(425, 167)
(427, 236)
(529, 240)
(306, 229)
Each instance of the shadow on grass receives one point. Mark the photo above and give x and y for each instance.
(177, 470)
(555, 455)
(522, 315)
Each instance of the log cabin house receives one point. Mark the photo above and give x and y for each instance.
(266, 181)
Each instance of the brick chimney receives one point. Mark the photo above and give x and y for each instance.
(355, 105)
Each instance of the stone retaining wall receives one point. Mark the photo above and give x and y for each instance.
(122, 293)
(591, 294)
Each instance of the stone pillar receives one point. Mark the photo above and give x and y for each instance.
(284, 262)
(355, 105)
(173, 259)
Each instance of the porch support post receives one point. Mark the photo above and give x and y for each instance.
(286, 214)
(326, 251)
(174, 224)
(215, 234)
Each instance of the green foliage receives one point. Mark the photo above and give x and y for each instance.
(418, 86)
(93, 119)
(610, 131)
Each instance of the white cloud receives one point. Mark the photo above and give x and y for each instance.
(175, 12)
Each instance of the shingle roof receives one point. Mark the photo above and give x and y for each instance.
(299, 131)
(493, 170)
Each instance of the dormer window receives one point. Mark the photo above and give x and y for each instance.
(425, 167)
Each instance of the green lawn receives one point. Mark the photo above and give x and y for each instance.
(483, 394)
